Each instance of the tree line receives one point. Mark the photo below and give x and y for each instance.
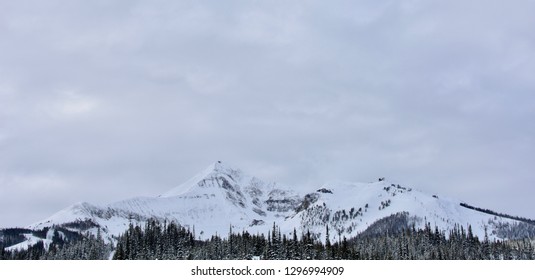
(393, 239)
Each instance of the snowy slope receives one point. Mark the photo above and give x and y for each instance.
(350, 208)
(221, 197)
(212, 201)
(31, 240)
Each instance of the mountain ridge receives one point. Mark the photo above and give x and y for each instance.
(222, 198)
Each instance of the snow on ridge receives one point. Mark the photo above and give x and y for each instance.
(221, 196)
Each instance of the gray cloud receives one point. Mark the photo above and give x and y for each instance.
(105, 100)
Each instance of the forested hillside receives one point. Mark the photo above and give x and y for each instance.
(157, 240)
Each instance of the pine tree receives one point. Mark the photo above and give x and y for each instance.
(3, 254)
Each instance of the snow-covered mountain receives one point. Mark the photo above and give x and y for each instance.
(211, 202)
(222, 198)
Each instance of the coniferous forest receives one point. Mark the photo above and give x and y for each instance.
(155, 240)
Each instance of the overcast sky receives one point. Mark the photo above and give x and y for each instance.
(106, 100)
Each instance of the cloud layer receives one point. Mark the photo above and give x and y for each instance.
(105, 100)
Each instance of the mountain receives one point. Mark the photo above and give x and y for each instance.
(211, 202)
(222, 198)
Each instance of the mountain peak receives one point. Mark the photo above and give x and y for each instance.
(221, 168)
(218, 166)
(213, 170)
